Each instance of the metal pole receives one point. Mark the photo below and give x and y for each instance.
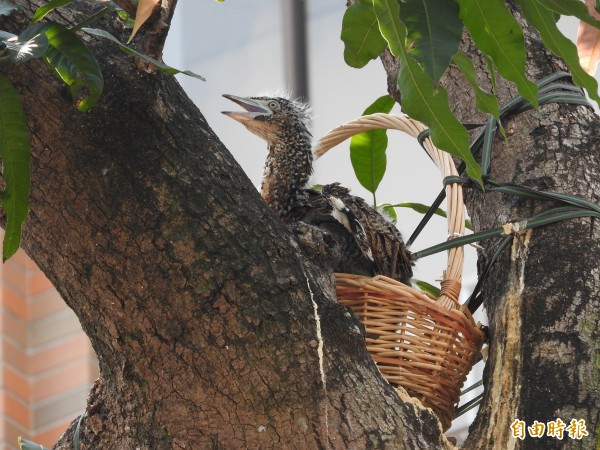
(294, 47)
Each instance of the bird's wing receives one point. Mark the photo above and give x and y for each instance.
(348, 219)
(332, 217)
(377, 238)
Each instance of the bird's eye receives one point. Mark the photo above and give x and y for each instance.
(273, 105)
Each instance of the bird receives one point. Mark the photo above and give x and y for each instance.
(370, 244)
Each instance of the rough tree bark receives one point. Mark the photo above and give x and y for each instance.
(543, 295)
(210, 328)
(208, 322)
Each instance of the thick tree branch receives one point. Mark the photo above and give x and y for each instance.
(200, 305)
(153, 34)
(543, 296)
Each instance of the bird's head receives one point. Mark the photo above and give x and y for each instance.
(271, 118)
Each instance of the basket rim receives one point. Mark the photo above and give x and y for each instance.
(348, 283)
(443, 160)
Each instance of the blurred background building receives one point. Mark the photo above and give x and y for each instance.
(47, 363)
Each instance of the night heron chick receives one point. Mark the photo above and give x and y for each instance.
(371, 245)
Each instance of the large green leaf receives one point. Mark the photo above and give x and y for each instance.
(542, 19)
(383, 104)
(419, 99)
(497, 33)
(31, 43)
(75, 65)
(421, 102)
(434, 31)
(360, 33)
(391, 28)
(162, 67)
(571, 8)
(41, 12)
(15, 153)
(485, 102)
(367, 149)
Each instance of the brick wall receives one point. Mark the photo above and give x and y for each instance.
(47, 364)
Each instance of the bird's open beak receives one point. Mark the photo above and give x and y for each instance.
(252, 107)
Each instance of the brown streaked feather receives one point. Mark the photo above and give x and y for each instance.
(367, 242)
(390, 256)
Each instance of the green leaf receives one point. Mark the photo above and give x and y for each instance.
(571, 8)
(485, 102)
(360, 34)
(367, 149)
(125, 17)
(31, 43)
(75, 65)
(390, 27)
(162, 67)
(421, 102)
(6, 8)
(496, 32)
(434, 29)
(383, 104)
(422, 209)
(24, 444)
(542, 19)
(41, 12)
(15, 154)
(387, 210)
(429, 288)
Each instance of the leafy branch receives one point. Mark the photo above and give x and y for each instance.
(69, 57)
(425, 36)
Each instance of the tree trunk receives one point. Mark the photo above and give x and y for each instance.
(543, 294)
(211, 329)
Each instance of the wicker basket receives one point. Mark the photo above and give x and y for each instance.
(424, 344)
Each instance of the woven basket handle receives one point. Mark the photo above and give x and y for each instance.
(451, 279)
